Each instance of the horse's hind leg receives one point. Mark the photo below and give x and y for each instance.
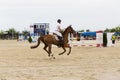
(63, 51)
(45, 48)
(49, 50)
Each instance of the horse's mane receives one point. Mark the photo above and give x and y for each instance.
(66, 29)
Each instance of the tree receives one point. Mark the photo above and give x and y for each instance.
(29, 39)
(80, 31)
(88, 30)
(113, 30)
(107, 30)
(117, 29)
(1, 34)
(25, 34)
(12, 33)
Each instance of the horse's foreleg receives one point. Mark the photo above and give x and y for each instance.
(63, 51)
(69, 50)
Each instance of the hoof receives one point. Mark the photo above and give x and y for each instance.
(53, 57)
(68, 54)
(48, 55)
(60, 54)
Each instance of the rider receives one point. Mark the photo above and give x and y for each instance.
(58, 32)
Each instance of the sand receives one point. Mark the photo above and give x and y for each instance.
(19, 62)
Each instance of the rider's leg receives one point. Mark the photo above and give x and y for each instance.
(60, 41)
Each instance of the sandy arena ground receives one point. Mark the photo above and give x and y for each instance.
(19, 62)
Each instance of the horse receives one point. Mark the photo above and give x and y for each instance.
(49, 39)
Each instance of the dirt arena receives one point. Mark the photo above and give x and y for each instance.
(19, 62)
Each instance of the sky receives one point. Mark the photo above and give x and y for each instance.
(81, 14)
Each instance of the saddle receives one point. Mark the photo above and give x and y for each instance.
(59, 39)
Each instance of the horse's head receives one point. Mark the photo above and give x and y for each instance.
(70, 29)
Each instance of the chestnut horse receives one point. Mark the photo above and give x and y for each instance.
(48, 40)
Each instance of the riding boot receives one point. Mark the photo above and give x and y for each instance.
(60, 42)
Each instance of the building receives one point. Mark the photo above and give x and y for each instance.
(39, 29)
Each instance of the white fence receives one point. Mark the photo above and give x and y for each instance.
(95, 43)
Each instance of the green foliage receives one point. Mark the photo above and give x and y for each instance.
(1, 32)
(105, 39)
(107, 30)
(25, 32)
(30, 39)
(81, 31)
(115, 29)
(88, 30)
(11, 33)
(118, 29)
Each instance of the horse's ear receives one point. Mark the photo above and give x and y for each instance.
(70, 25)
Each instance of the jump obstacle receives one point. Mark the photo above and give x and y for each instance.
(90, 43)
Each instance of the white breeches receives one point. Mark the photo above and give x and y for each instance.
(58, 33)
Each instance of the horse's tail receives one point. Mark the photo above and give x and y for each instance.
(38, 43)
